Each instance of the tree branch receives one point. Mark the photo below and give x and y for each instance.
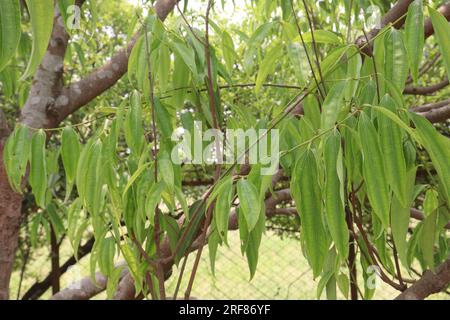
(98, 81)
(426, 90)
(429, 283)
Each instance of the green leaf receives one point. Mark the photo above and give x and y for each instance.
(333, 104)
(134, 177)
(9, 30)
(320, 36)
(308, 199)
(343, 284)
(395, 66)
(441, 31)
(373, 169)
(134, 132)
(223, 206)
(414, 37)
(334, 193)
(166, 172)
(427, 238)
(41, 15)
(228, 50)
(152, 199)
(431, 202)
(16, 155)
(213, 243)
(268, 65)
(187, 54)
(437, 146)
(400, 217)
(55, 219)
(70, 153)
(113, 281)
(391, 142)
(38, 168)
(106, 256)
(250, 206)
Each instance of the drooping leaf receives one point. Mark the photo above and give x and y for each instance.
(70, 153)
(38, 168)
(391, 142)
(373, 169)
(134, 133)
(396, 66)
(308, 198)
(437, 146)
(223, 206)
(9, 30)
(414, 37)
(16, 154)
(333, 104)
(441, 31)
(228, 50)
(427, 238)
(41, 26)
(268, 65)
(334, 197)
(250, 205)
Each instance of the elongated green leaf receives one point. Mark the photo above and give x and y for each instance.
(187, 54)
(41, 14)
(332, 105)
(427, 238)
(373, 169)
(9, 30)
(135, 176)
(320, 36)
(134, 132)
(153, 198)
(308, 198)
(400, 216)
(228, 50)
(106, 259)
(250, 206)
(16, 155)
(92, 184)
(38, 168)
(414, 37)
(268, 65)
(70, 153)
(334, 197)
(223, 206)
(166, 172)
(437, 146)
(442, 30)
(396, 65)
(55, 219)
(391, 143)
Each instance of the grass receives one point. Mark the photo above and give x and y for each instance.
(282, 273)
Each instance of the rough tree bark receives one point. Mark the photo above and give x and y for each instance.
(48, 103)
(429, 283)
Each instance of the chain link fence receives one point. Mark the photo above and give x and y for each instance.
(282, 273)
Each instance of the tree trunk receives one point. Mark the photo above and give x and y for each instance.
(10, 211)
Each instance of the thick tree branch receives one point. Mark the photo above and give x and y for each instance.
(82, 92)
(394, 14)
(40, 109)
(426, 90)
(397, 11)
(429, 283)
(85, 288)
